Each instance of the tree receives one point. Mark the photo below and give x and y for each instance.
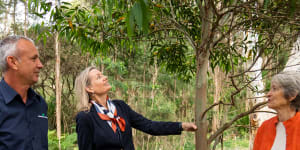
(212, 29)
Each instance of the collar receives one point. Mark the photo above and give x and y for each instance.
(9, 93)
(100, 109)
(287, 122)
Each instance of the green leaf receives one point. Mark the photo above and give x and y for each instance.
(70, 13)
(138, 14)
(130, 23)
(64, 7)
(44, 39)
(66, 3)
(292, 4)
(146, 16)
(266, 3)
(29, 4)
(109, 8)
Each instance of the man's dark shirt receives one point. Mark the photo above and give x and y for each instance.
(22, 126)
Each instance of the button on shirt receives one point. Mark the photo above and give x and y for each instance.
(22, 126)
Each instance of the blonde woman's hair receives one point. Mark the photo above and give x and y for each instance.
(82, 96)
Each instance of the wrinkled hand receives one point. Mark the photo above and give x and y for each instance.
(189, 126)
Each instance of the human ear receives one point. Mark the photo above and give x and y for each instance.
(12, 62)
(89, 89)
(291, 98)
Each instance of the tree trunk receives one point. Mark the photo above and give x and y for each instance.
(116, 76)
(154, 78)
(201, 101)
(58, 86)
(219, 117)
(174, 92)
(202, 60)
(25, 17)
(293, 61)
(218, 78)
(58, 90)
(102, 64)
(14, 16)
(253, 121)
(144, 75)
(6, 23)
(184, 103)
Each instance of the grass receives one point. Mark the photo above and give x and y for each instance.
(232, 143)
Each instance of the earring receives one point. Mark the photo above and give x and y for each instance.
(93, 94)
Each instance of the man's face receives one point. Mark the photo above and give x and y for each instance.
(29, 64)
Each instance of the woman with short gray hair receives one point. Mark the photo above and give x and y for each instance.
(282, 132)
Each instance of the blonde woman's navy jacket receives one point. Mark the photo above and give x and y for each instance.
(96, 134)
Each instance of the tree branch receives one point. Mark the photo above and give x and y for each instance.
(180, 28)
(228, 124)
(211, 106)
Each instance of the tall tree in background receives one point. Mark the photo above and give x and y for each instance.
(15, 2)
(209, 28)
(218, 43)
(58, 82)
(6, 8)
(25, 17)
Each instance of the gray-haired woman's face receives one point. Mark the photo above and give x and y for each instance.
(276, 99)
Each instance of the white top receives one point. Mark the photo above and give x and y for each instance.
(111, 109)
(280, 139)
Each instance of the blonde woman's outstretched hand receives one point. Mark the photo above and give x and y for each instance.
(189, 126)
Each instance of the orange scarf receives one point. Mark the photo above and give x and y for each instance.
(114, 121)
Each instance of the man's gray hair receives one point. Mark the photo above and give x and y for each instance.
(289, 81)
(8, 47)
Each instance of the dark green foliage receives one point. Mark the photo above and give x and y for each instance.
(2, 7)
(39, 7)
(226, 57)
(129, 39)
(242, 126)
(139, 14)
(175, 58)
(68, 141)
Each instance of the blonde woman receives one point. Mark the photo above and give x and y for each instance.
(107, 124)
(282, 132)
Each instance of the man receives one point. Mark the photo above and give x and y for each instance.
(23, 113)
